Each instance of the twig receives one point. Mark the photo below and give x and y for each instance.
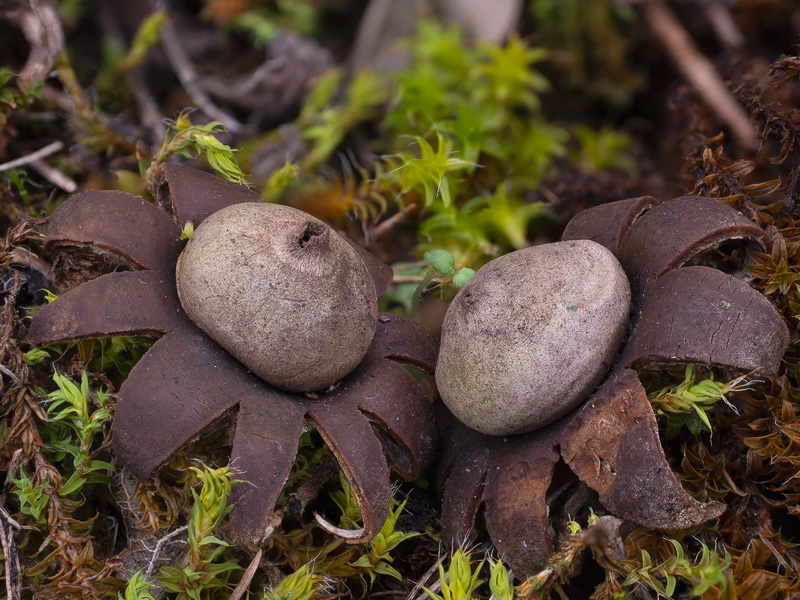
(157, 550)
(5, 370)
(424, 579)
(244, 583)
(40, 24)
(392, 221)
(148, 107)
(12, 568)
(308, 489)
(699, 70)
(724, 26)
(54, 176)
(409, 279)
(51, 148)
(184, 69)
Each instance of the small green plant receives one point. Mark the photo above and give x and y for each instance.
(687, 403)
(32, 499)
(190, 140)
(204, 571)
(114, 357)
(501, 583)
(137, 589)
(461, 581)
(712, 571)
(263, 25)
(17, 180)
(280, 181)
(444, 264)
(347, 503)
(428, 173)
(188, 230)
(74, 424)
(377, 560)
(300, 585)
(603, 150)
(14, 97)
(324, 121)
(146, 38)
(34, 356)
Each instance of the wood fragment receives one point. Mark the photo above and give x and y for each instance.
(244, 583)
(160, 544)
(184, 69)
(40, 24)
(698, 69)
(11, 559)
(719, 15)
(54, 176)
(47, 150)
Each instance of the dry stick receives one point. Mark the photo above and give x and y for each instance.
(157, 550)
(10, 374)
(148, 107)
(184, 69)
(247, 577)
(392, 221)
(699, 70)
(424, 579)
(51, 148)
(54, 176)
(41, 26)
(12, 568)
(719, 15)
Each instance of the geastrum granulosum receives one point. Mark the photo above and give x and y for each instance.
(537, 331)
(366, 405)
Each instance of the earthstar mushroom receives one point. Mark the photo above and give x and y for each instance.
(682, 314)
(186, 383)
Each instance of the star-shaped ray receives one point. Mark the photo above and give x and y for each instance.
(117, 234)
(511, 475)
(702, 315)
(187, 194)
(670, 234)
(612, 444)
(607, 224)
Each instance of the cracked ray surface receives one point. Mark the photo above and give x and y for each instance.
(611, 443)
(186, 384)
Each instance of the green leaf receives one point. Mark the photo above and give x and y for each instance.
(97, 465)
(462, 277)
(137, 589)
(441, 260)
(187, 231)
(73, 484)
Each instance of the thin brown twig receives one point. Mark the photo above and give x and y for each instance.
(424, 579)
(719, 15)
(148, 107)
(699, 70)
(40, 24)
(244, 583)
(184, 69)
(391, 222)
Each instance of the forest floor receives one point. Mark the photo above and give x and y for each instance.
(438, 135)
